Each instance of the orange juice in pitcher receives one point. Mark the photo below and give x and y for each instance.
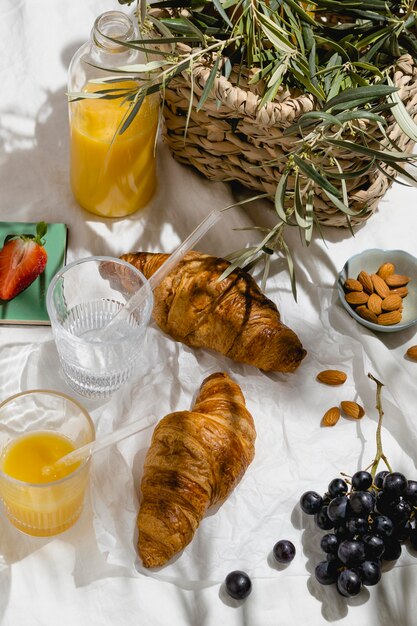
(113, 171)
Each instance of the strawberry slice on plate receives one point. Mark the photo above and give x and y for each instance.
(22, 259)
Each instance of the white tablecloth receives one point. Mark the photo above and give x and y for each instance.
(91, 574)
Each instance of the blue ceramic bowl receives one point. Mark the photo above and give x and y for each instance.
(370, 261)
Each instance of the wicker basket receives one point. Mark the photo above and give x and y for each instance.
(231, 139)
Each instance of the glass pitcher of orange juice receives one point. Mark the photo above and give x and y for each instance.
(112, 173)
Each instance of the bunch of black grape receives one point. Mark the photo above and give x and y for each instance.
(369, 523)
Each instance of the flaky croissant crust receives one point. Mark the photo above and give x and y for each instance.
(231, 316)
(195, 460)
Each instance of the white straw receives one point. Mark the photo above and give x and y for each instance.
(82, 453)
(140, 296)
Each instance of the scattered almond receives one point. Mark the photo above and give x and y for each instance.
(400, 291)
(397, 280)
(412, 353)
(366, 281)
(375, 303)
(391, 302)
(352, 409)
(380, 286)
(356, 297)
(385, 270)
(351, 284)
(331, 417)
(332, 377)
(390, 318)
(367, 314)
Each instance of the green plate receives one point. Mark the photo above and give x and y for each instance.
(29, 307)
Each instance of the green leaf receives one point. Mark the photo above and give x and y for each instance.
(333, 45)
(359, 94)
(335, 86)
(303, 14)
(368, 66)
(403, 172)
(352, 174)
(190, 102)
(373, 50)
(291, 270)
(219, 8)
(298, 204)
(209, 84)
(311, 118)
(402, 116)
(41, 230)
(127, 120)
(345, 196)
(341, 205)
(277, 75)
(316, 91)
(308, 233)
(142, 68)
(334, 61)
(267, 266)
(361, 115)
(383, 155)
(239, 262)
(277, 36)
(390, 177)
(315, 176)
(280, 197)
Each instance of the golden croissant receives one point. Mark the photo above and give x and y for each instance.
(195, 460)
(231, 316)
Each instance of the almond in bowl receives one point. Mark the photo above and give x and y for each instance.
(387, 301)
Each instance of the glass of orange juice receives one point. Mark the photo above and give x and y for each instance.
(112, 171)
(38, 427)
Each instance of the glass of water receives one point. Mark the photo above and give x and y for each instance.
(82, 299)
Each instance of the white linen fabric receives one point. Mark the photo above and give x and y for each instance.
(91, 574)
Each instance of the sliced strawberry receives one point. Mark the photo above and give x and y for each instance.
(22, 259)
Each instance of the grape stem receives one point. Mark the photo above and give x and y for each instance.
(379, 451)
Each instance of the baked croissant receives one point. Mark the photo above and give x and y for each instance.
(231, 316)
(195, 460)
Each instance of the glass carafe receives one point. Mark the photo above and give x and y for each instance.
(113, 169)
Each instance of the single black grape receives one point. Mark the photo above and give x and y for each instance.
(374, 546)
(370, 572)
(383, 526)
(379, 479)
(329, 543)
(238, 585)
(310, 502)
(361, 481)
(394, 483)
(400, 512)
(402, 531)
(410, 492)
(384, 502)
(338, 508)
(333, 558)
(392, 550)
(284, 551)
(326, 572)
(357, 526)
(361, 503)
(342, 533)
(351, 551)
(322, 520)
(337, 487)
(348, 583)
